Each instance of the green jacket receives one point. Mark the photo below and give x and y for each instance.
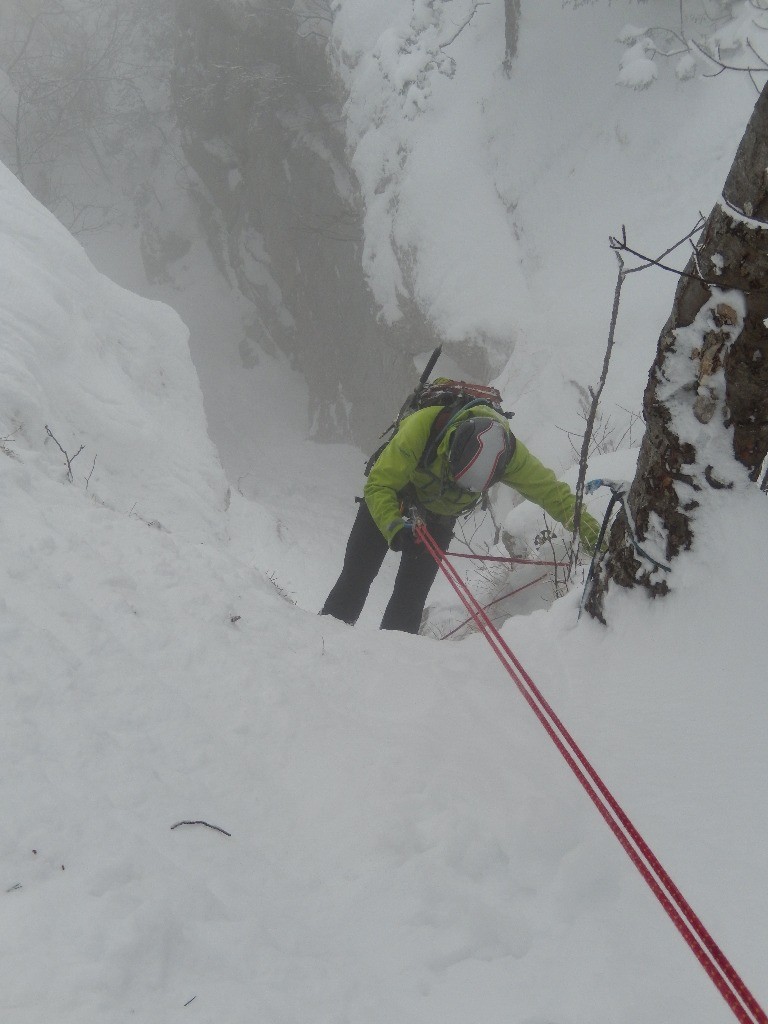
(398, 467)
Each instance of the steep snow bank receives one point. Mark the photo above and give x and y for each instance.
(101, 369)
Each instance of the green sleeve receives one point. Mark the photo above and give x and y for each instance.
(538, 484)
(394, 469)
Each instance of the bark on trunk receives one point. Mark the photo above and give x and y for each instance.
(707, 391)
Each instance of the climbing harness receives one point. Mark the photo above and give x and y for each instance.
(719, 969)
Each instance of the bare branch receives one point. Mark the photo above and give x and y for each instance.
(622, 273)
(620, 245)
(88, 478)
(734, 67)
(464, 24)
(207, 825)
(69, 458)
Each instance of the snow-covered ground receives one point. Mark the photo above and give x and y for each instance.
(405, 844)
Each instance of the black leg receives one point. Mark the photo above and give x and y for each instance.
(365, 552)
(413, 582)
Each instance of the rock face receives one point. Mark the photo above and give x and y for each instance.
(262, 127)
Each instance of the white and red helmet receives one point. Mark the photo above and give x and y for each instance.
(479, 453)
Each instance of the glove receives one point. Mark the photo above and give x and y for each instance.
(404, 540)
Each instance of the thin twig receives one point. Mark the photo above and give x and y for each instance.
(207, 825)
(5, 441)
(694, 231)
(93, 466)
(464, 24)
(672, 270)
(622, 273)
(66, 455)
(733, 67)
(498, 600)
(620, 245)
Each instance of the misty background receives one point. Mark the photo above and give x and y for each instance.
(342, 186)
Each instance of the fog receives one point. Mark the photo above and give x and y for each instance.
(198, 152)
(334, 189)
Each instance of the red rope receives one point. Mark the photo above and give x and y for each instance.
(490, 604)
(719, 969)
(509, 561)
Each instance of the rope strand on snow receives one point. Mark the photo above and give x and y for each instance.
(498, 600)
(507, 560)
(717, 966)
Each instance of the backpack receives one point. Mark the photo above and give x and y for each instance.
(455, 396)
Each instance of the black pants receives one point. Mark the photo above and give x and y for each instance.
(365, 553)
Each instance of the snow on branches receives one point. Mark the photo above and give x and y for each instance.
(700, 43)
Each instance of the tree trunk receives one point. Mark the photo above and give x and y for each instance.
(511, 30)
(706, 403)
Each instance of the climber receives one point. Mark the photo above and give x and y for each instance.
(443, 478)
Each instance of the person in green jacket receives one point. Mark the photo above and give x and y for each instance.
(444, 478)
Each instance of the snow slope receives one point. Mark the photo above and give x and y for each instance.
(405, 845)
(103, 370)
